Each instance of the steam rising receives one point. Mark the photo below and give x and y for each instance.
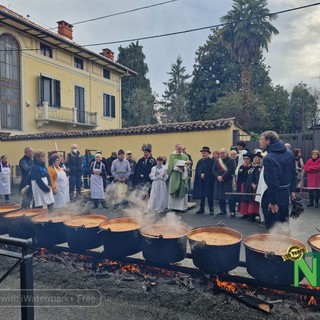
(137, 201)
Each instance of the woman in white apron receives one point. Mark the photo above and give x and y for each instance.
(5, 184)
(97, 172)
(59, 182)
(40, 182)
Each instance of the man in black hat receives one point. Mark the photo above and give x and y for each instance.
(204, 181)
(143, 169)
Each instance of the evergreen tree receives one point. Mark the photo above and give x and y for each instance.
(302, 109)
(247, 31)
(276, 100)
(139, 85)
(215, 74)
(175, 94)
(139, 112)
(231, 106)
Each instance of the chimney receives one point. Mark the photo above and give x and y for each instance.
(108, 54)
(65, 29)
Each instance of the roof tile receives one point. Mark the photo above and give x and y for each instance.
(146, 129)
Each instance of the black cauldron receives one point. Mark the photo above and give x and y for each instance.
(49, 228)
(216, 250)
(120, 237)
(82, 231)
(163, 243)
(19, 223)
(264, 260)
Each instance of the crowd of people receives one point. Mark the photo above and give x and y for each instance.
(257, 185)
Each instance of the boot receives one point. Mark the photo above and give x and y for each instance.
(200, 211)
(104, 204)
(95, 203)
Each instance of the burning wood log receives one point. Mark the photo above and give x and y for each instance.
(250, 301)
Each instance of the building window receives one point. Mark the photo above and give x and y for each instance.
(106, 73)
(78, 63)
(109, 106)
(45, 50)
(10, 83)
(50, 91)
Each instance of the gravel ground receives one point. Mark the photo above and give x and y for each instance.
(132, 299)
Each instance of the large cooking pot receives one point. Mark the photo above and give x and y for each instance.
(4, 209)
(49, 228)
(163, 243)
(19, 222)
(264, 258)
(215, 249)
(82, 231)
(120, 237)
(314, 242)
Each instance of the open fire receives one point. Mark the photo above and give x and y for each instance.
(255, 297)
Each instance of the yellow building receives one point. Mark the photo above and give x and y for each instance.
(49, 83)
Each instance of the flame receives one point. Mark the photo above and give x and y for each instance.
(43, 251)
(130, 268)
(228, 286)
(165, 272)
(312, 301)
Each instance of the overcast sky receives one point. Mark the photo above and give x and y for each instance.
(293, 54)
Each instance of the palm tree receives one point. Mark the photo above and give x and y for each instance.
(246, 33)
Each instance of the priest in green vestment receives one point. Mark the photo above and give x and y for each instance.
(178, 170)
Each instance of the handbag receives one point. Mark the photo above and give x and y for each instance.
(297, 208)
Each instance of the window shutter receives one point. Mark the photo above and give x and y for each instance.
(57, 94)
(113, 106)
(40, 85)
(107, 105)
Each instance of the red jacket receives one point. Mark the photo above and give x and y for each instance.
(312, 168)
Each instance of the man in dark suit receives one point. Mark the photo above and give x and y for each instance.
(204, 181)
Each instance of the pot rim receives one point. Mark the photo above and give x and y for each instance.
(53, 214)
(17, 208)
(35, 211)
(119, 220)
(81, 216)
(312, 246)
(220, 228)
(269, 235)
(154, 236)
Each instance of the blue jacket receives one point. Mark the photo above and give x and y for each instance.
(39, 171)
(279, 173)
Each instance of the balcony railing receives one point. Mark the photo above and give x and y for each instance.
(69, 116)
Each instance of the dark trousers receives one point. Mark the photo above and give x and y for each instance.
(271, 218)
(49, 207)
(96, 202)
(86, 181)
(314, 196)
(75, 182)
(223, 205)
(210, 202)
